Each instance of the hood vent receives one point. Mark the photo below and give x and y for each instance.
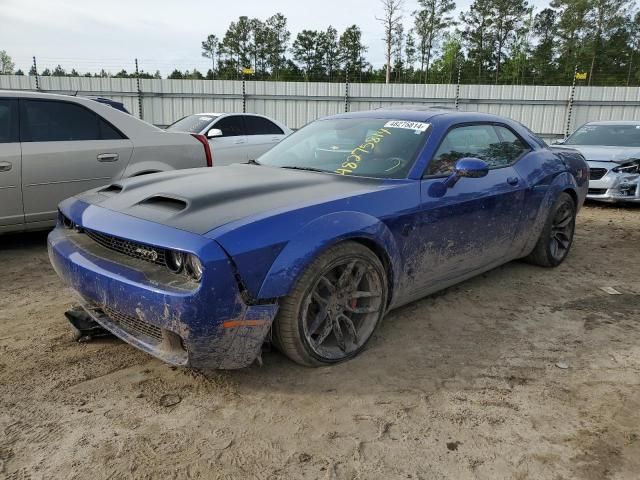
(111, 189)
(165, 203)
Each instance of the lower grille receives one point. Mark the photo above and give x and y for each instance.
(597, 173)
(134, 325)
(129, 248)
(597, 191)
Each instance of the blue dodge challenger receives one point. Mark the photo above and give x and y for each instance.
(312, 244)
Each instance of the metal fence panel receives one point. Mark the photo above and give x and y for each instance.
(544, 109)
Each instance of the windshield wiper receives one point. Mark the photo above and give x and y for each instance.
(253, 162)
(308, 169)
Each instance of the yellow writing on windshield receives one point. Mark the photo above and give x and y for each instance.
(362, 151)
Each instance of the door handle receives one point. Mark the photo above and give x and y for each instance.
(108, 157)
(240, 141)
(5, 166)
(513, 180)
(275, 139)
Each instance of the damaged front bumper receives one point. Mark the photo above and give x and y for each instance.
(205, 325)
(612, 186)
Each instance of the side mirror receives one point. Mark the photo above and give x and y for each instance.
(471, 168)
(465, 168)
(214, 132)
(558, 142)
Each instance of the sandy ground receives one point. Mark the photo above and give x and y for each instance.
(463, 384)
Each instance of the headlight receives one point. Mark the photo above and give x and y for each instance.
(194, 267)
(631, 167)
(175, 261)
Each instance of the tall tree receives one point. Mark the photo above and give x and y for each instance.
(432, 20)
(478, 35)
(306, 52)
(278, 36)
(236, 43)
(602, 20)
(571, 28)
(634, 45)
(392, 16)
(452, 56)
(6, 63)
(545, 29)
(410, 50)
(352, 51)
(508, 16)
(329, 50)
(210, 50)
(398, 47)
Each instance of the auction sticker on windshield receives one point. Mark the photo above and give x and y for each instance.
(417, 126)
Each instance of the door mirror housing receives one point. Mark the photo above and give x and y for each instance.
(466, 167)
(469, 167)
(214, 132)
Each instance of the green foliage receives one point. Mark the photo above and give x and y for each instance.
(6, 63)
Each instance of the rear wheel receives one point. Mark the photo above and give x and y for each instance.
(334, 307)
(557, 236)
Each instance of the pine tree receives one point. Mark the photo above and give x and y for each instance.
(431, 21)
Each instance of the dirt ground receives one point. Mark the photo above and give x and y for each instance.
(463, 384)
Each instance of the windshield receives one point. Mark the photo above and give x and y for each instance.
(192, 123)
(606, 135)
(364, 147)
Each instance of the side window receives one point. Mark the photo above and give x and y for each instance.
(8, 121)
(230, 126)
(511, 147)
(107, 132)
(261, 126)
(480, 141)
(58, 121)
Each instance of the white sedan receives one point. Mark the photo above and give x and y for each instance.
(234, 137)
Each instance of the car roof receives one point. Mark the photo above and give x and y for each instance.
(421, 113)
(614, 122)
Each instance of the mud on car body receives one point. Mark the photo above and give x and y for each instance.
(347, 218)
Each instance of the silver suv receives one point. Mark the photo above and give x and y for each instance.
(55, 146)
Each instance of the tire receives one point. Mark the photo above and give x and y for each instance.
(557, 235)
(346, 285)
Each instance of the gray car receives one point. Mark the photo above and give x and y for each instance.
(55, 146)
(612, 150)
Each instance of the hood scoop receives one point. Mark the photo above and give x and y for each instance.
(164, 203)
(111, 189)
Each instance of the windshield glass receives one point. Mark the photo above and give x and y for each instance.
(606, 135)
(192, 123)
(364, 147)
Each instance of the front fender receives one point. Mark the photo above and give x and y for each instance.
(320, 234)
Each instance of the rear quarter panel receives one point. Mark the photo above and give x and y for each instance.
(162, 151)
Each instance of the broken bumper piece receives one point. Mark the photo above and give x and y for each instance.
(206, 326)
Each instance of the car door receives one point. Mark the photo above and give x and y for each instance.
(262, 135)
(67, 148)
(231, 147)
(11, 212)
(471, 228)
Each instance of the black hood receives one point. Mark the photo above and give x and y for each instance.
(199, 200)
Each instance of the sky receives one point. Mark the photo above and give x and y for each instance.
(110, 34)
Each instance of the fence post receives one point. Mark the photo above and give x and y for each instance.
(570, 104)
(458, 89)
(346, 90)
(35, 69)
(244, 95)
(139, 91)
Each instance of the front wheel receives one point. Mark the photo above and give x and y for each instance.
(334, 308)
(557, 235)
